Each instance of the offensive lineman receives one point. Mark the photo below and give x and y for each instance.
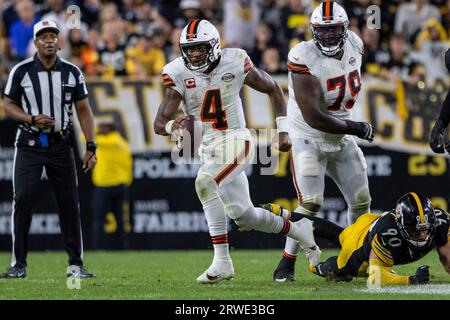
(324, 81)
(208, 81)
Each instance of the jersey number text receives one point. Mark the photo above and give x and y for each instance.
(212, 110)
(354, 82)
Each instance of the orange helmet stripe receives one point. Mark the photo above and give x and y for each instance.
(328, 10)
(191, 29)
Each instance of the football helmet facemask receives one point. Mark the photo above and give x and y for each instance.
(200, 34)
(416, 219)
(329, 26)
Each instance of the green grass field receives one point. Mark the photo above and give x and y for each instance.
(168, 275)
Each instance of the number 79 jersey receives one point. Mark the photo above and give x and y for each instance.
(340, 81)
(213, 98)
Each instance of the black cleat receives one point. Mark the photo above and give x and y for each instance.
(317, 270)
(14, 273)
(285, 271)
(79, 272)
(323, 270)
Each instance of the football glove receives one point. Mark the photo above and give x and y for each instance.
(422, 276)
(362, 130)
(437, 140)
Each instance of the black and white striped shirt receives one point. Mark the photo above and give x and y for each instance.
(46, 91)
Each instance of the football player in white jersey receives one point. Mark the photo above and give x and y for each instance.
(324, 81)
(208, 80)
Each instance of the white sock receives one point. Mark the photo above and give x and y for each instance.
(263, 220)
(217, 224)
(221, 251)
(292, 247)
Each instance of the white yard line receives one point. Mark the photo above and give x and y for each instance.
(422, 289)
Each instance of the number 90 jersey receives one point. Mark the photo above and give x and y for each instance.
(380, 233)
(385, 240)
(340, 81)
(213, 98)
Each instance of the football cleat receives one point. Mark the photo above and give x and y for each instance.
(317, 269)
(218, 271)
(307, 242)
(313, 255)
(14, 273)
(285, 271)
(276, 209)
(79, 272)
(323, 270)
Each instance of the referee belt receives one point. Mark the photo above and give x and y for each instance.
(54, 135)
(42, 139)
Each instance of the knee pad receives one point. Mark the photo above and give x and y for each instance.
(206, 187)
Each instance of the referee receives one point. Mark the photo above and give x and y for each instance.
(40, 94)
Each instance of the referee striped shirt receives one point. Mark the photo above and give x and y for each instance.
(52, 92)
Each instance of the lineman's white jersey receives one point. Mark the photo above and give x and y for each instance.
(213, 98)
(340, 81)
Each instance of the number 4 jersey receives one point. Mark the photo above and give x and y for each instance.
(340, 81)
(213, 98)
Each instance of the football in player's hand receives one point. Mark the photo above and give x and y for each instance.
(191, 135)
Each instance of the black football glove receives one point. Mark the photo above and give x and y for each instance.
(422, 276)
(437, 140)
(362, 130)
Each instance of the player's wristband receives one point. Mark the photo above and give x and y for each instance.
(282, 124)
(169, 126)
(91, 146)
(33, 120)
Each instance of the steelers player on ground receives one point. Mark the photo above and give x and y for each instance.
(374, 243)
(208, 80)
(324, 81)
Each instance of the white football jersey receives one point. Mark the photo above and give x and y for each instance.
(340, 81)
(213, 98)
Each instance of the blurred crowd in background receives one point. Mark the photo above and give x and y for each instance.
(136, 38)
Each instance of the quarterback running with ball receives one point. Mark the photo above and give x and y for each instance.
(324, 82)
(208, 79)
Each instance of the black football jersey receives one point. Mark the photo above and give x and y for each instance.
(385, 240)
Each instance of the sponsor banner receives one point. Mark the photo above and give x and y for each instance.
(165, 212)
